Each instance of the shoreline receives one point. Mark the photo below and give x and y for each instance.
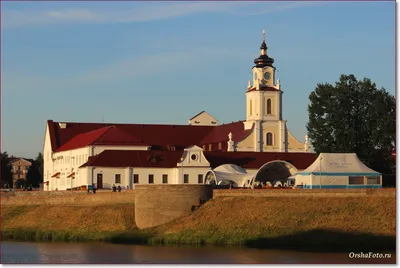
(313, 241)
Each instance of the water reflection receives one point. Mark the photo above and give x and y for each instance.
(54, 253)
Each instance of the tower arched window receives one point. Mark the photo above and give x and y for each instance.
(251, 107)
(269, 138)
(269, 106)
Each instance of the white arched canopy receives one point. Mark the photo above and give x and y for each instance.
(275, 171)
(228, 174)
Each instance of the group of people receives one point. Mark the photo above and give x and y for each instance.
(114, 189)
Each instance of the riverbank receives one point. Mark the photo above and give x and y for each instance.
(314, 223)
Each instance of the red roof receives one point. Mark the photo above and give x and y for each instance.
(220, 133)
(170, 159)
(131, 158)
(105, 135)
(255, 160)
(76, 135)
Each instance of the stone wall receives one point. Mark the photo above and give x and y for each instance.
(66, 198)
(108, 197)
(305, 192)
(159, 204)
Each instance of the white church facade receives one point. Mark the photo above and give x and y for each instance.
(78, 155)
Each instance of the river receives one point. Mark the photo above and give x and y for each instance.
(100, 253)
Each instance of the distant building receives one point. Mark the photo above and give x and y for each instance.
(19, 168)
(80, 154)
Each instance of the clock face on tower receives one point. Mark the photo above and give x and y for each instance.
(267, 76)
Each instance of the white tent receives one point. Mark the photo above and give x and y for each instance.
(229, 173)
(339, 171)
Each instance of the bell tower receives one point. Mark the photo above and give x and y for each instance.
(264, 104)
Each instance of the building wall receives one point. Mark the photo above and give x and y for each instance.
(98, 149)
(19, 169)
(294, 145)
(109, 176)
(204, 119)
(247, 144)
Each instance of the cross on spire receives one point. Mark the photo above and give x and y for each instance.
(263, 35)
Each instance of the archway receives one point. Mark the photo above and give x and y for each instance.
(274, 172)
(210, 178)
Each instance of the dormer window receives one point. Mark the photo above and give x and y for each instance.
(171, 147)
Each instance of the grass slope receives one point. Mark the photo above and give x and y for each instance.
(308, 223)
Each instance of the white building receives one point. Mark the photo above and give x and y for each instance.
(77, 155)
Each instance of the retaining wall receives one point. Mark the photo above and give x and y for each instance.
(305, 192)
(159, 204)
(74, 198)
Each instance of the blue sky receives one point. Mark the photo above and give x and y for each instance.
(163, 62)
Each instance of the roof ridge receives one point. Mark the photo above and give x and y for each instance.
(101, 135)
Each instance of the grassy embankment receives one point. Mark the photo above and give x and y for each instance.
(306, 223)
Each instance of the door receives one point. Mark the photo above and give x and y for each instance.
(99, 181)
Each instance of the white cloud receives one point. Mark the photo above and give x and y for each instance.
(146, 12)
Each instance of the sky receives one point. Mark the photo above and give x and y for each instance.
(163, 62)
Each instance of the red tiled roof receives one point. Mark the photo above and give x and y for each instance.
(255, 160)
(220, 133)
(102, 136)
(133, 158)
(152, 135)
(55, 174)
(170, 159)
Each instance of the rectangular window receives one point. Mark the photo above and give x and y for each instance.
(356, 180)
(135, 178)
(117, 178)
(164, 178)
(200, 179)
(373, 180)
(151, 178)
(186, 178)
(19, 167)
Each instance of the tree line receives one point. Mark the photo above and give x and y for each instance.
(354, 116)
(33, 178)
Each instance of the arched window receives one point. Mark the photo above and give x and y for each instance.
(251, 107)
(269, 138)
(220, 146)
(269, 106)
(210, 147)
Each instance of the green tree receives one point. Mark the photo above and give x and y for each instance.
(39, 164)
(33, 176)
(354, 116)
(6, 175)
